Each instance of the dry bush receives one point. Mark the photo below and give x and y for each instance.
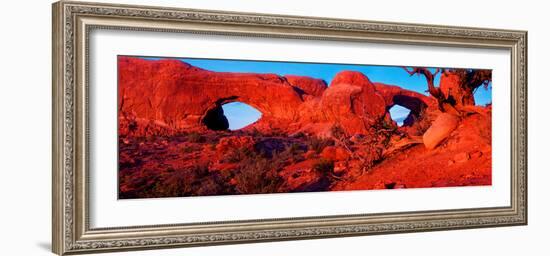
(196, 181)
(292, 154)
(238, 155)
(258, 175)
(324, 166)
(318, 144)
(195, 137)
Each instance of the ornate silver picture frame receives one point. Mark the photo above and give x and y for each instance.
(74, 21)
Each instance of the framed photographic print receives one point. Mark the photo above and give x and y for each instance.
(178, 127)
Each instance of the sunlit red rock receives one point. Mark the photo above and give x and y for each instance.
(440, 129)
(309, 86)
(450, 85)
(352, 101)
(335, 153)
(179, 96)
(173, 137)
(170, 96)
(302, 177)
(234, 143)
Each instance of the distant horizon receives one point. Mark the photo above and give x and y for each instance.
(240, 114)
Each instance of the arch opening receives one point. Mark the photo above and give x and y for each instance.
(400, 114)
(231, 116)
(215, 119)
(406, 109)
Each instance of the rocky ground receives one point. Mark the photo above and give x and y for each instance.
(248, 162)
(462, 159)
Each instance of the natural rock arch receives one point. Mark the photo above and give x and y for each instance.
(414, 104)
(417, 103)
(163, 97)
(398, 115)
(178, 95)
(216, 119)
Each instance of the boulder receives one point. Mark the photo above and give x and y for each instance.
(440, 129)
(301, 177)
(352, 101)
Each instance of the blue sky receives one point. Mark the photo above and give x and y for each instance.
(240, 114)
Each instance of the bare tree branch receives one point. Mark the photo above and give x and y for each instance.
(430, 77)
(411, 72)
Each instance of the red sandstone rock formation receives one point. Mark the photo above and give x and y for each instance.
(183, 97)
(362, 148)
(169, 96)
(307, 85)
(352, 101)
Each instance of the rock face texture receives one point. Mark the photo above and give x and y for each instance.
(307, 85)
(440, 129)
(178, 96)
(352, 101)
(170, 96)
(450, 85)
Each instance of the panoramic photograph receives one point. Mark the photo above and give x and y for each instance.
(206, 127)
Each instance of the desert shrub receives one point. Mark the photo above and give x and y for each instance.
(200, 170)
(318, 144)
(267, 147)
(189, 149)
(324, 166)
(340, 137)
(385, 125)
(211, 137)
(141, 182)
(195, 137)
(337, 132)
(185, 182)
(212, 146)
(212, 185)
(132, 126)
(258, 175)
(293, 153)
(238, 155)
(255, 132)
(175, 185)
(294, 148)
(275, 132)
(299, 135)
